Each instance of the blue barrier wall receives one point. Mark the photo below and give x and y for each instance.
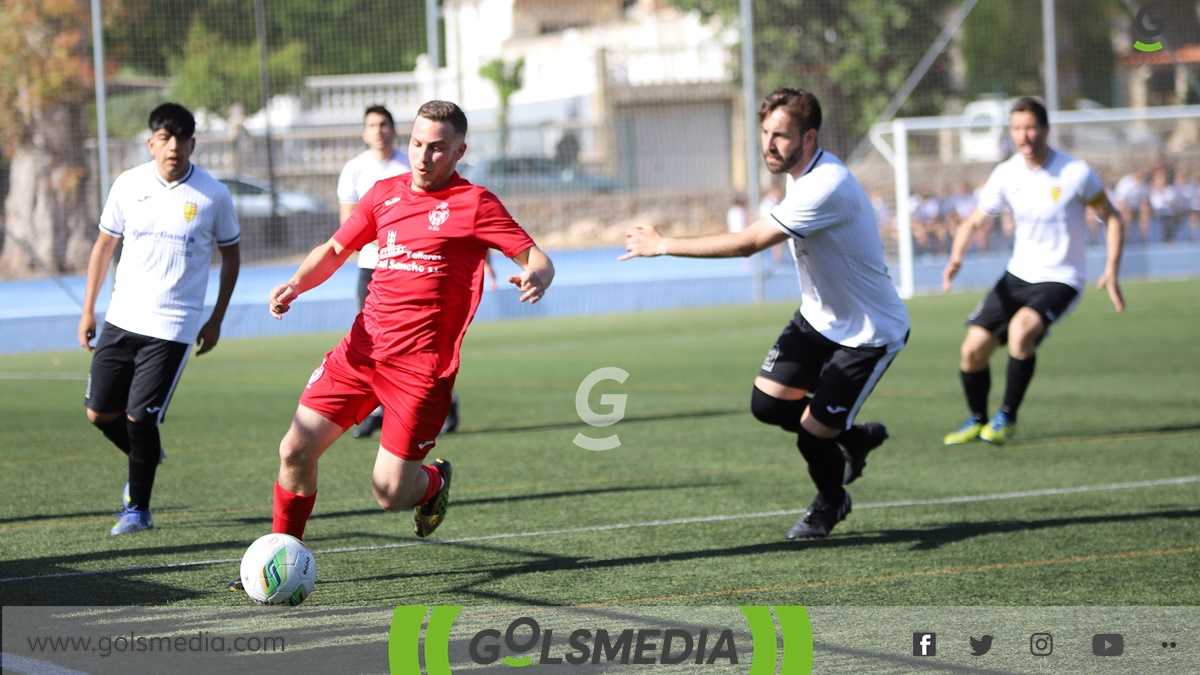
(43, 315)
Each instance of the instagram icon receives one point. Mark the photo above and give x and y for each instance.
(1041, 644)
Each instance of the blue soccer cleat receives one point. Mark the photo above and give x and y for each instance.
(999, 430)
(133, 520)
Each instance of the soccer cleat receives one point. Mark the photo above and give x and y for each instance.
(236, 586)
(369, 426)
(862, 439)
(428, 516)
(819, 519)
(132, 520)
(968, 432)
(451, 423)
(998, 430)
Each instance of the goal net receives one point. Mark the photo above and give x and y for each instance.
(928, 169)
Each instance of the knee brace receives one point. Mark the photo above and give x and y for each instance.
(777, 411)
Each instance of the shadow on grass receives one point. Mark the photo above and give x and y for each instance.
(920, 539)
(577, 424)
(1166, 429)
(106, 586)
(511, 499)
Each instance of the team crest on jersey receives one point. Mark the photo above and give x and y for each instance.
(769, 362)
(1055, 193)
(439, 216)
(190, 209)
(316, 374)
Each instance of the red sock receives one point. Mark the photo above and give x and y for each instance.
(435, 483)
(291, 512)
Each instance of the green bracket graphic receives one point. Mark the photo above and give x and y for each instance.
(404, 639)
(437, 640)
(1143, 47)
(796, 629)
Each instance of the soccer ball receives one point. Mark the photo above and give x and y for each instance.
(278, 569)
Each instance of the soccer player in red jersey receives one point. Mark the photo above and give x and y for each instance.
(434, 230)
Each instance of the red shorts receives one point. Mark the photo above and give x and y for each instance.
(346, 387)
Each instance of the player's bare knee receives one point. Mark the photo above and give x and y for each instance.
(392, 498)
(101, 418)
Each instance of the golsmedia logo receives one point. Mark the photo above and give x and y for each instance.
(725, 639)
(1148, 27)
(643, 646)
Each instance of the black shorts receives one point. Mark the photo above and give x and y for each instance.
(134, 373)
(1051, 300)
(840, 378)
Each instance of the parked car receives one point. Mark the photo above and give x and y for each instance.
(252, 198)
(526, 175)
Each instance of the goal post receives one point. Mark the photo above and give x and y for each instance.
(928, 154)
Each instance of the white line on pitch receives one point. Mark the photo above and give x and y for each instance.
(628, 526)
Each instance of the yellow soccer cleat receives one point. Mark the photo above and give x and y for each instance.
(968, 432)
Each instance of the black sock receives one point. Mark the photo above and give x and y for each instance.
(145, 449)
(826, 465)
(976, 386)
(1020, 374)
(116, 431)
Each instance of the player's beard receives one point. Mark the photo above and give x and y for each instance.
(785, 163)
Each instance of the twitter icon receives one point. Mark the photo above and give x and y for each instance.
(981, 646)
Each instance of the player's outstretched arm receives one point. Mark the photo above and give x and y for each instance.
(962, 241)
(643, 241)
(210, 332)
(537, 272)
(1115, 241)
(320, 264)
(102, 255)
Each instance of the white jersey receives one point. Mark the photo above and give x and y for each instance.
(847, 293)
(1049, 206)
(168, 232)
(359, 175)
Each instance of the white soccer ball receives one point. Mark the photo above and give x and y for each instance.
(278, 569)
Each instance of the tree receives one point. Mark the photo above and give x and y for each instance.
(1002, 48)
(853, 54)
(216, 75)
(46, 78)
(508, 80)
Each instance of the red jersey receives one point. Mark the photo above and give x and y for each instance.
(429, 278)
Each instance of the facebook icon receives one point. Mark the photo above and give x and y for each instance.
(924, 644)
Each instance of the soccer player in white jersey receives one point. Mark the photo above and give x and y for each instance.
(1049, 194)
(169, 213)
(851, 323)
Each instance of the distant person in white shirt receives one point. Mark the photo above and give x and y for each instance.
(851, 322)
(381, 160)
(170, 214)
(1130, 198)
(1049, 194)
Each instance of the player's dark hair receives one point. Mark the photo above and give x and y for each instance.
(380, 110)
(445, 111)
(799, 104)
(176, 119)
(1030, 104)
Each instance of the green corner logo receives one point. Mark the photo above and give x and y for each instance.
(1147, 27)
(767, 625)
